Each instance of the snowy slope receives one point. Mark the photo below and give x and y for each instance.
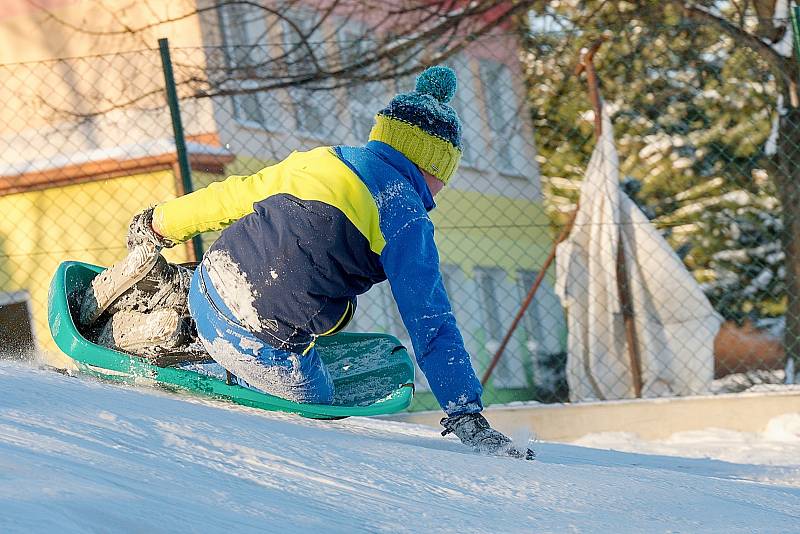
(78, 455)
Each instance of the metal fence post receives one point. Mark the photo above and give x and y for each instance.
(177, 130)
(796, 31)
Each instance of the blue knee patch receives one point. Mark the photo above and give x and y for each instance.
(295, 377)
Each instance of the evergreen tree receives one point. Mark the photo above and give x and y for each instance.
(693, 118)
(741, 242)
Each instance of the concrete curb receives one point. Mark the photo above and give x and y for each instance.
(648, 418)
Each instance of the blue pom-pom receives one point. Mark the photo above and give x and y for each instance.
(439, 82)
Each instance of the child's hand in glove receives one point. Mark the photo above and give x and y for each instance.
(140, 232)
(474, 431)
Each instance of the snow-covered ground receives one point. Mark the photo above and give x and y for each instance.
(778, 446)
(78, 455)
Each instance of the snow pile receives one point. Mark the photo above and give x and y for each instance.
(778, 445)
(78, 455)
(785, 428)
(756, 380)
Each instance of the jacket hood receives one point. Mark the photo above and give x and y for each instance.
(406, 167)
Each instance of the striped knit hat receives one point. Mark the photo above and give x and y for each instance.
(422, 126)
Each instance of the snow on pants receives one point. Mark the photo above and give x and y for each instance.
(256, 364)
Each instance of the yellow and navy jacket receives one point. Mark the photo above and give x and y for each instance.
(321, 227)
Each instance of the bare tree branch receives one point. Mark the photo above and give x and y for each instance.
(781, 67)
(426, 33)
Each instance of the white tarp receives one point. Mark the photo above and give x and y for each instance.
(675, 325)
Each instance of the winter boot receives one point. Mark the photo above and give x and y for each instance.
(165, 286)
(144, 333)
(474, 431)
(116, 280)
(144, 281)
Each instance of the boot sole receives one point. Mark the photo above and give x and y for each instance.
(140, 333)
(109, 285)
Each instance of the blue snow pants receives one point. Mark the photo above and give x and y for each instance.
(255, 364)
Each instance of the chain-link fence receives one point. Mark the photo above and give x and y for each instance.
(705, 147)
(88, 142)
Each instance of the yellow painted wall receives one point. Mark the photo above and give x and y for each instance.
(88, 222)
(107, 68)
(85, 222)
(90, 27)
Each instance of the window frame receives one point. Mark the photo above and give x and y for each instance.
(508, 134)
(328, 119)
(471, 120)
(490, 318)
(361, 110)
(232, 63)
(531, 320)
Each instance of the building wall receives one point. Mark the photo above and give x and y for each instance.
(492, 232)
(71, 92)
(47, 29)
(269, 124)
(76, 88)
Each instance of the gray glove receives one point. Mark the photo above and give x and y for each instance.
(140, 232)
(474, 431)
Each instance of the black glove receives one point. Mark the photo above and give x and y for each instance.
(474, 431)
(140, 232)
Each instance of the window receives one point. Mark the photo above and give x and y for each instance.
(464, 103)
(364, 99)
(546, 321)
(16, 333)
(544, 326)
(531, 322)
(490, 280)
(244, 32)
(502, 107)
(449, 272)
(407, 59)
(314, 111)
(309, 114)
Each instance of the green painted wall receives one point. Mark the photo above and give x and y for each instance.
(476, 229)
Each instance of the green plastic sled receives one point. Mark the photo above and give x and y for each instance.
(373, 373)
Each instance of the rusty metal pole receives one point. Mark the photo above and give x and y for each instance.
(626, 303)
(586, 64)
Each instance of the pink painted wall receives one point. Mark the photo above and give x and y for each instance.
(501, 47)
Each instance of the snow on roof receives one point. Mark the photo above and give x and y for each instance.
(140, 149)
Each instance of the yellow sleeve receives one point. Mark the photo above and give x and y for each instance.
(212, 208)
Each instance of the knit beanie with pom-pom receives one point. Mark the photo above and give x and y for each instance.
(422, 125)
